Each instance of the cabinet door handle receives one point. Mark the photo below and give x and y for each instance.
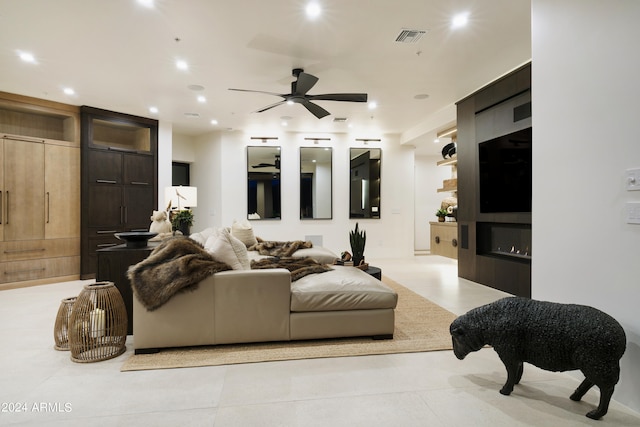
(121, 214)
(126, 212)
(437, 239)
(20, 251)
(454, 242)
(105, 181)
(7, 219)
(24, 271)
(48, 206)
(24, 139)
(139, 183)
(105, 231)
(1, 208)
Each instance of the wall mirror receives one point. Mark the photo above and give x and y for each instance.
(263, 181)
(315, 183)
(364, 182)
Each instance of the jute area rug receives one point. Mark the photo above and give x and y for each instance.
(420, 324)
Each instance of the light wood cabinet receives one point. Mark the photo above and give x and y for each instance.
(39, 191)
(444, 239)
(23, 204)
(62, 191)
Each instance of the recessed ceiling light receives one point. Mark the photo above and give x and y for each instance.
(153, 110)
(68, 91)
(182, 65)
(214, 122)
(313, 10)
(27, 57)
(373, 105)
(460, 20)
(289, 102)
(146, 3)
(284, 123)
(202, 99)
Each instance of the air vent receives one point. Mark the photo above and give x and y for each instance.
(410, 36)
(339, 119)
(192, 115)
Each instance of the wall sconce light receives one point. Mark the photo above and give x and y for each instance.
(264, 139)
(315, 140)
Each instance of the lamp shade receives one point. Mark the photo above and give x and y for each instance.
(181, 197)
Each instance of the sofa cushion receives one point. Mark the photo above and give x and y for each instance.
(226, 248)
(343, 288)
(243, 231)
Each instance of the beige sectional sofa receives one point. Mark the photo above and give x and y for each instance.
(244, 305)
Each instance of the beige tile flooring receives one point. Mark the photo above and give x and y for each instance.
(420, 389)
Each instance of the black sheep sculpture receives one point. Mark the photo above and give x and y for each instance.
(551, 336)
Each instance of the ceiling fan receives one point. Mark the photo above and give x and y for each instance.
(298, 95)
(275, 164)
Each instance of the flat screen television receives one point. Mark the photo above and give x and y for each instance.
(505, 173)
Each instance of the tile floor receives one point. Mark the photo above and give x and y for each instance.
(420, 389)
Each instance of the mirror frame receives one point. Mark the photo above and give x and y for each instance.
(267, 158)
(361, 161)
(317, 191)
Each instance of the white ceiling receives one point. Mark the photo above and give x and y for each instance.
(119, 55)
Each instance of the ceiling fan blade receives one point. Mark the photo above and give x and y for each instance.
(304, 83)
(350, 97)
(268, 107)
(260, 91)
(315, 109)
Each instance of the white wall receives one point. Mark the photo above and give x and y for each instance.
(428, 178)
(585, 131)
(219, 172)
(165, 155)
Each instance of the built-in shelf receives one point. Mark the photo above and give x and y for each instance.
(450, 185)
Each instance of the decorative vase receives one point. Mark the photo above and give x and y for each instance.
(440, 219)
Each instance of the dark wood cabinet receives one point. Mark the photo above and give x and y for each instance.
(119, 179)
(112, 266)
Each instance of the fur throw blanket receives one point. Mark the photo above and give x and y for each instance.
(299, 267)
(178, 264)
(279, 249)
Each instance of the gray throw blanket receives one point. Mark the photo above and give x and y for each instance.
(178, 264)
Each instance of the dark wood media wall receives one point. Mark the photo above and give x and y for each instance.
(498, 109)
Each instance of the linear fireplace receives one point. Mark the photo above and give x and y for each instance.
(507, 241)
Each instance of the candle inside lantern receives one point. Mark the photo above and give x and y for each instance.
(97, 322)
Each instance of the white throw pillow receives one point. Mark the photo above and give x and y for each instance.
(226, 248)
(202, 236)
(243, 231)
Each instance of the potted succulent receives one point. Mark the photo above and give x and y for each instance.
(441, 213)
(357, 239)
(182, 220)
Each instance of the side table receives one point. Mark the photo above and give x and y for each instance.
(374, 271)
(113, 264)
